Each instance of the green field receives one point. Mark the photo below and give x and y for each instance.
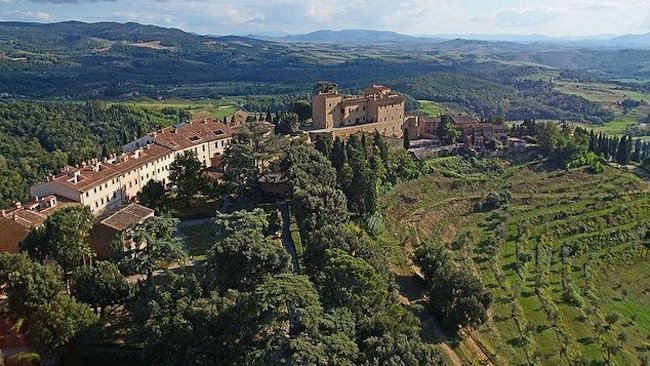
(609, 95)
(198, 109)
(430, 108)
(599, 221)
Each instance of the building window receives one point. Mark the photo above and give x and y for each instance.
(203, 147)
(86, 194)
(95, 190)
(96, 204)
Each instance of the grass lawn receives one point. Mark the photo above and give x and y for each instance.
(199, 207)
(601, 218)
(199, 238)
(430, 108)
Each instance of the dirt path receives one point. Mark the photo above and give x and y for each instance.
(412, 290)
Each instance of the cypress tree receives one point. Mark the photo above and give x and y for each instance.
(638, 146)
(364, 144)
(620, 151)
(592, 141)
(601, 145)
(323, 144)
(338, 155)
(383, 147)
(407, 139)
(627, 152)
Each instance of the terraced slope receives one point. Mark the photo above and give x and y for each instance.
(566, 259)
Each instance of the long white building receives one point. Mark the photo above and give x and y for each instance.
(110, 182)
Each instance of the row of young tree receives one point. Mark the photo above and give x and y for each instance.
(622, 150)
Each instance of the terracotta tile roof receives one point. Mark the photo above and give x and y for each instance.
(127, 216)
(353, 101)
(89, 176)
(183, 136)
(393, 99)
(165, 141)
(16, 222)
(462, 120)
(13, 233)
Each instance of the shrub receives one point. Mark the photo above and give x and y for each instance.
(589, 160)
(25, 359)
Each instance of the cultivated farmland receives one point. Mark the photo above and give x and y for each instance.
(565, 255)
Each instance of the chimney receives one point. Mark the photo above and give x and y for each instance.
(205, 121)
(18, 205)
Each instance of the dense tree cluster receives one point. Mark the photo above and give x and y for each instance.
(503, 96)
(362, 166)
(349, 276)
(575, 147)
(457, 297)
(249, 158)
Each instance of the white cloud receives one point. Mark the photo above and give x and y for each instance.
(525, 18)
(552, 17)
(38, 16)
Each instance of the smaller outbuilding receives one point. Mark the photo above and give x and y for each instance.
(111, 226)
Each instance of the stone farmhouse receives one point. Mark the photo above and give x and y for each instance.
(111, 182)
(473, 131)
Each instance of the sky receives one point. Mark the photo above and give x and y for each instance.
(418, 17)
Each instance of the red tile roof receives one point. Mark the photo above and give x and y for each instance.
(127, 216)
(165, 141)
(190, 134)
(462, 120)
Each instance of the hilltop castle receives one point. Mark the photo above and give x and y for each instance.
(378, 109)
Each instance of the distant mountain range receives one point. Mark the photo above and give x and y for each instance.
(349, 36)
(365, 36)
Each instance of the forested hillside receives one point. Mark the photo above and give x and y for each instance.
(80, 61)
(39, 138)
